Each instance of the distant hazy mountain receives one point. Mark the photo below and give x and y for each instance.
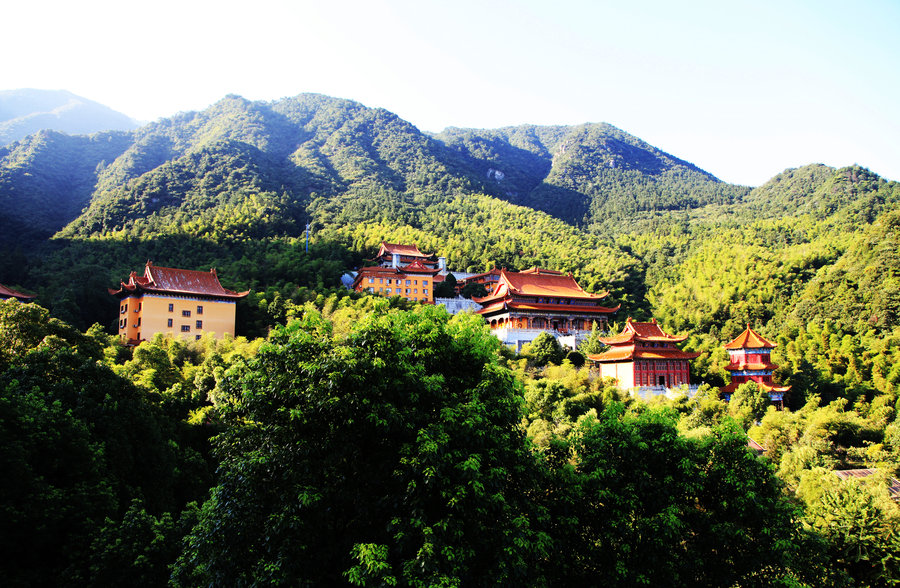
(23, 112)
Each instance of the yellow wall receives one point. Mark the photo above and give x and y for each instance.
(421, 289)
(623, 372)
(149, 314)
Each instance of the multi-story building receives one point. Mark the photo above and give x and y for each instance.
(401, 270)
(643, 356)
(177, 302)
(750, 361)
(522, 305)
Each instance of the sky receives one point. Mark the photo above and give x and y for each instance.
(743, 90)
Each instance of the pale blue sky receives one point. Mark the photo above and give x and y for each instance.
(743, 90)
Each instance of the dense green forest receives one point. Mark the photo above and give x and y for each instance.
(429, 454)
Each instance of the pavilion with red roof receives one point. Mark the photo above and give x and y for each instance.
(524, 304)
(178, 302)
(642, 355)
(7, 293)
(750, 361)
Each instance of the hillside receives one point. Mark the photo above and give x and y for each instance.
(235, 185)
(593, 175)
(27, 111)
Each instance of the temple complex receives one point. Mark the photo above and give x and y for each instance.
(521, 305)
(643, 356)
(7, 293)
(401, 270)
(177, 302)
(750, 361)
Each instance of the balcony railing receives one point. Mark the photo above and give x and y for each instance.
(651, 391)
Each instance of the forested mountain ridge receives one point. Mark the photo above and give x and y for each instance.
(351, 162)
(591, 174)
(242, 178)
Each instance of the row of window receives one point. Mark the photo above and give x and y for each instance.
(184, 328)
(186, 312)
(414, 291)
(671, 364)
(398, 281)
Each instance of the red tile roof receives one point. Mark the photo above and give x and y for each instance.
(391, 248)
(415, 268)
(635, 331)
(538, 282)
(629, 353)
(749, 339)
(893, 488)
(755, 447)
(169, 280)
(7, 292)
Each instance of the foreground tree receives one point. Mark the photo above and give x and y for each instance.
(391, 456)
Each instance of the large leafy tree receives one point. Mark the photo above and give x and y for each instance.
(79, 442)
(390, 455)
(635, 503)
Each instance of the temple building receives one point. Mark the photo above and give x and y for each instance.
(7, 293)
(750, 361)
(401, 270)
(177, 302)
(643, 356)
(522, 305)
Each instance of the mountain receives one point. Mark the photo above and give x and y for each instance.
(590, 174)
(235, 186)
(23, 112)
(339, 162)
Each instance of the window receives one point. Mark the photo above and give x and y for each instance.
(424, 282)
(140, 305)
(415, 282)
(199, 309)
(185, 328)
(197, 337)
(371, 280)
(424, 290)
(185, 313)
(199, 325)
(169, 323)
(381, 280)
(387, 291)
(171, 309)
(126, 308)
(407, 282)
(139, 321)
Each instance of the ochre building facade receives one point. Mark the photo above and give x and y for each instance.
(176, 302)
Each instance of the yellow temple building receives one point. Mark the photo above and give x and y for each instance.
(401, 270)
(176, 302)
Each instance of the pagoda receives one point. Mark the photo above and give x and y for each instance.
(750, 361)
(401, 270)
(7, 293)
(177, 302)
(524, 304)
(643, 356)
